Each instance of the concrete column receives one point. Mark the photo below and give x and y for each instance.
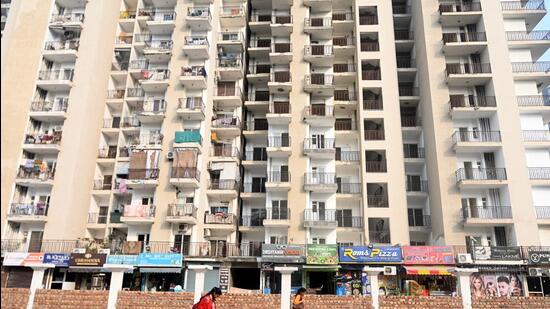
(199, 279)
(373, 273)
(36, 282)
(285, 285)
(117, 275)
(463, 275)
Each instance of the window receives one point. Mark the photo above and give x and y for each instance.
(220, 209)
(318, 241)
(379, 230)
(278, 240)
(279, 210)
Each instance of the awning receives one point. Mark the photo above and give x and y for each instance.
(161, 270)
(428, 270)
(322, 267)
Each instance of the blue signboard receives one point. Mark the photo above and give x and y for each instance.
(364, 254)
(122, 259)
(160, 259)
(57, 259)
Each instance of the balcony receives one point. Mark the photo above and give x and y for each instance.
(322, 148)
(374, 135)
(371, 74)
(538, 41)
(379, 237)
(188, 139)
(97, 220)
(532, 11)
(542, 212)
(143, 177)
(228, 96)
(459, 14)
(468, 74)
(227, 126)
(367, 20)
(343, 46)
(323, 219)
(151, 111)
(278, 181)
(321, 5)
(193, 77)
(107, 152)
(157, 21)
(319, 54)
(472, 107)
(253, 191)
(319, 84)
(370, 45)
(463, 44)
(411, 127)
(343, 21)
(481, 178)
(538, 71)
(476, 141)
(43, 143)
(115, 95)
(185, 177)
(260, 22)
(61, 51)
(534, 104)
(158, 50)
(345, 157)
(279, 113)
(278, 146)
(230, 68)
(344, 74)
(225, 153)
(486, 215)
(348, 190)
(135, 94)
(191, 108)
(536, 138)
(320, 182)
(179, 213)
(416, 187)
(420, 223)
(414, 155)
(28, 212)
(277, 217)
(67, 20)
(281, 25)
(102, 186)
(257, 127)
(198, 18)
(375, 166)
(258, 73)
(408, 93)
(280, 82)
(256, 157)
(404, 40)
(154, 80)
(539, 175)
(260, 47)
(373, 104)
(319, 27)
(138, 214)
(196, 47)
(55, 80)
(400, 9)
(280, 53)
(252, 223)
(232, 16)
(377, 201)
(223, 188)
(124, 41)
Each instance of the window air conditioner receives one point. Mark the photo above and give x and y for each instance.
(464, 258)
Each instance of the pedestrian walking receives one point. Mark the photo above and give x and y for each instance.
(208, 301)
(298, 301)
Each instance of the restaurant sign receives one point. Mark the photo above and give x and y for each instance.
(428, 255)
(484, 253)
(87, 259)
(322, 254)
(283, 252)
(538, 256)
(57, 259)
(364, 254)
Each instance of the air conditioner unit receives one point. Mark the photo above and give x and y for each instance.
(79, 250)
(183, 227)
(390, 270)
(207, 233)
(465, 258)
(104, 251)
(535, 272)
(170, 155)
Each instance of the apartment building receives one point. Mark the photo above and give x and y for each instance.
(226, 130)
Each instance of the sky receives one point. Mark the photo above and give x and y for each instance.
(545, 25)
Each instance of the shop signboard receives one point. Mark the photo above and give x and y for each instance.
(497, 253)
(283, 253)
(160, 259)
(364, 254)
(22, 258)
(122, 259)
(224, 279)
(57, 259)
(87, 259)
(428, 255)
(539, 257)
(322, 254)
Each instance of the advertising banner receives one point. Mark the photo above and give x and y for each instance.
(322, 254)
(497, 253)
(57, 259)
(160, 259)
(539, 257)
(364, 254)
(224, 279)
(22, 258)
(496, 285)
(122, 259)
(87, 259)
(428, 255)
(283, 253)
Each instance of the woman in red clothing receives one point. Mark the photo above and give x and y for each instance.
(208, 301)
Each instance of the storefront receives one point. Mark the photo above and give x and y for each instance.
(87, 269)
(160, 271)
(131, 280)
(17, 274)
(59, 277)
(428, 270)
(352, 260)
(212, 277)
(278, 255)
(320, 271)
(538, 278)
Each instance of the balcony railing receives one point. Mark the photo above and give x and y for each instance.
(318, 22)
(252, 155)
(536, 35)
(370, 46)
(542, 212)
(318, 50)
(159, 45)
(314, 144)
(278, 141)
(106, 153)
(536, 135)
(277, 213)
(226, 122)
(533, 100)
(227, 91)
(405, 63)
(343, 67)
(374, 135)
(403, 35)
(164, 15)
(282, 19)
(67, 18)
(343, 41)
(231, 10)
(376, 166)
(463, 174)
(223, 184)
(472, 101)
(185, 173)
(135, 92)
(344, 95)
(411, 121)
(192, 103)
(281, 77)
(279, 107)
(530, 5)
(467, 68)
(196, 40)
(320, 178)
(417, 186)
(65, 75)
(278, 177)
(349, 188)
(256, 220)
(343, 124)
(531, 67)
(139, 211)
(406, 91)
(373, 104)
(487, 212)
(57, 105)
(368, 20)
(97, 218)
(342, 15)
(28, 209)
(62, 45)
(420, 221)
(153, 106)
(193, 71)
(256, 125)
(100, 184)
(371, 74)
(259, 68)
(477, 136)
(143, 173)
(254, 187)
(460, 7)
(182, 210)
(413, 152)
(348, 156)
(199, 12)
(401, 9)
(319, 215)
(219, 218)
(379, 237)
(319, 79)
(125, 39)
(260, 43)
(36, 174)
(319, 111)
(539, 173)
(229, 63)
(259, 95)
(281, 47)
(464, 37)
(154, 75)
(377, 201)
(226, 151)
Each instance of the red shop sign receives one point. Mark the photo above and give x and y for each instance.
(428, 255)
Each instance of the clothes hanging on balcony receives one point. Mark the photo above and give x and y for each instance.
(146, 74)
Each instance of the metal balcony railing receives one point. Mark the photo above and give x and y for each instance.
(319, 79)
(60, 75)
(101, 184)
(97, 218)
(476, 136)
(533, 100)
(182, 210)
(259, 95)
(139, 211)
(259, 68)
(463, 174)
(226, 122)
(185, 173)
(343, 41)
(529, 5)
(35, 174)
(467, 68)
(344, 67)
(254, 187)
(281, 77)
(376, 166)
(536, 135)
(67, 18)
(229, 63)
(458, 100)
(196, 40)
(106, 153)
(193, 71)
(411, 121)
(223, 184)
(379, 237)
(319, 111)
(227, 91)
(343, 124)
(371, 74)
(318, 22)
(373, 104)
(138, 64)
(158, 45)
(318, 50)
(135, 92)
(370, 46)
(127, 14)
(342, 15)
(368, 20)
(326, 215)
(279, 107)
(252, 155)
(407, 91)
(377, 201)
(315, 144)
(143, 173)
(420, 221)
(348, 156)
(539, 173)
(487, 212)
(460, 7)
(192, 103)
(405, 63)
(62, 45)
(226, 151)
(28, 209)
(256, 220)
(256, 125)
(531, 67)
(401, 9)
(219, 218)
(116, 94)
(464, 37)
(151, 106)
(320, 178)
(417, 186)
(260, 43)
(277, 213)
(403, 35)
(260, 17)
(53, 138)
(159, 15)
(57, 105)
(154, 74)
(536, 35)
(542, 212)
(282, 19)
(344, 95)
(278, 177)
(348, 188)
(281, 47)
(231, 10)
(413, 152)
(374, 135)
(278, 141)
(199, 12)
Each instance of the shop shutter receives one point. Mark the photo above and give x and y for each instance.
(20, 277)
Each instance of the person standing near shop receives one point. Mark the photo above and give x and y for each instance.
(208, 301)
(298, 302)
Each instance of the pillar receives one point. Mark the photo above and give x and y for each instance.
(199, 279)
(286, 272)
(373, 273)
(37, 279)
(115, 285)
(463, 275)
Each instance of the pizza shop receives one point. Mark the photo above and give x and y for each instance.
(428, 271)
(279, 255)
(321, 268)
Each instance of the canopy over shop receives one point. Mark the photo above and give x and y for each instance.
(428, 270)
